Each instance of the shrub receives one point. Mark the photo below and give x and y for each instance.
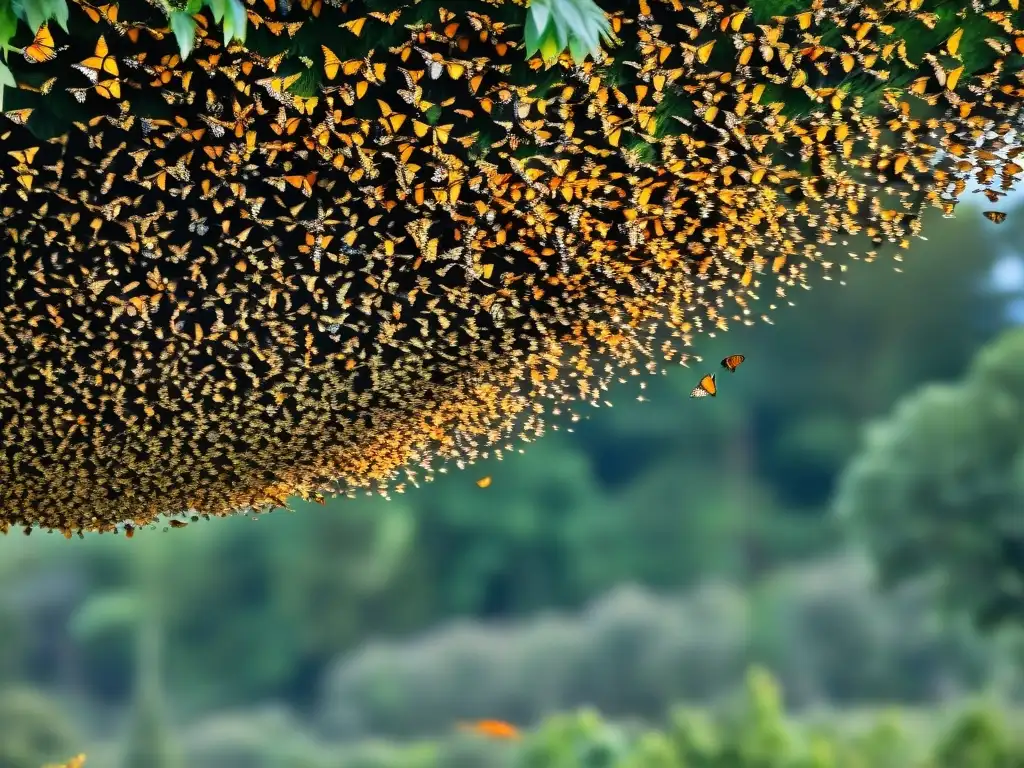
(33, 730)
(636, 654)
(265, 738)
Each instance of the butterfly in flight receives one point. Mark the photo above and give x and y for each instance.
(484, 482)
(997, 217)
(732, 362)
(706, 387)
(42, 48)
(494, 729)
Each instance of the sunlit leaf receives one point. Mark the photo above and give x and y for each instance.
(184, 28)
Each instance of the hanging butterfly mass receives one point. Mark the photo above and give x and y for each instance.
(379, 238)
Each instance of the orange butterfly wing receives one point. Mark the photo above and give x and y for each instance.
(495, 729)
(706, 387)
(732, 362)
(42, 47)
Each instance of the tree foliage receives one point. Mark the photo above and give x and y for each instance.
(938, 489)
(552, 26)
(33, 729)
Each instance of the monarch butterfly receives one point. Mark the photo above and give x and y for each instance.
(289, 126)
(306, 105)
(392, 121)
(495, 729)
(109, 89)
(706, 387)
(441, 132)
(95, 13)
(997, 217)
(24, 156)
(455, 69)
(355, 26)
(19, 116)
(484, 482)
(331, 63)
(101, 60)
(42, 47)
(305, 183)
(387, 18)
(277, 27)
(732, 362)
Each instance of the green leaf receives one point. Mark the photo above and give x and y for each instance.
(560, 38)
(58, 11)
(549, 47)
(193, 7)
(184, 28)
(533, 35)
(8, 24)
(580, 40)
(218, 7)
(35, 13)
(595, 22)
(580, 18)
(539, 15)
(578, 49)
(6, 78)
(18, 9)
(234, 22)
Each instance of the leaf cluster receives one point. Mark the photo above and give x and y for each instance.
(552, 26)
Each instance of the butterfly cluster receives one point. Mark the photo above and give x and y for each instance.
(378, 238)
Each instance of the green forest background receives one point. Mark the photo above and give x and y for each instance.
(762, 579)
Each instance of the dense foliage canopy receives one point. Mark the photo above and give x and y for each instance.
(377, 235)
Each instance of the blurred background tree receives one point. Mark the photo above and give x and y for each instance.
(938, 490)
(33, 729)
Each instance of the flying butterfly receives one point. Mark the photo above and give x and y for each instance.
(387, 18)
(44, 89)
(441, 132)
(97, 12)
(101, 61)
(495, 729)
(996, 217)
(706, 387)
(305, 105)
(332, 64)
(42, 48)
(484, 482)
(355, 26)
(109, 89)
(732, 362)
